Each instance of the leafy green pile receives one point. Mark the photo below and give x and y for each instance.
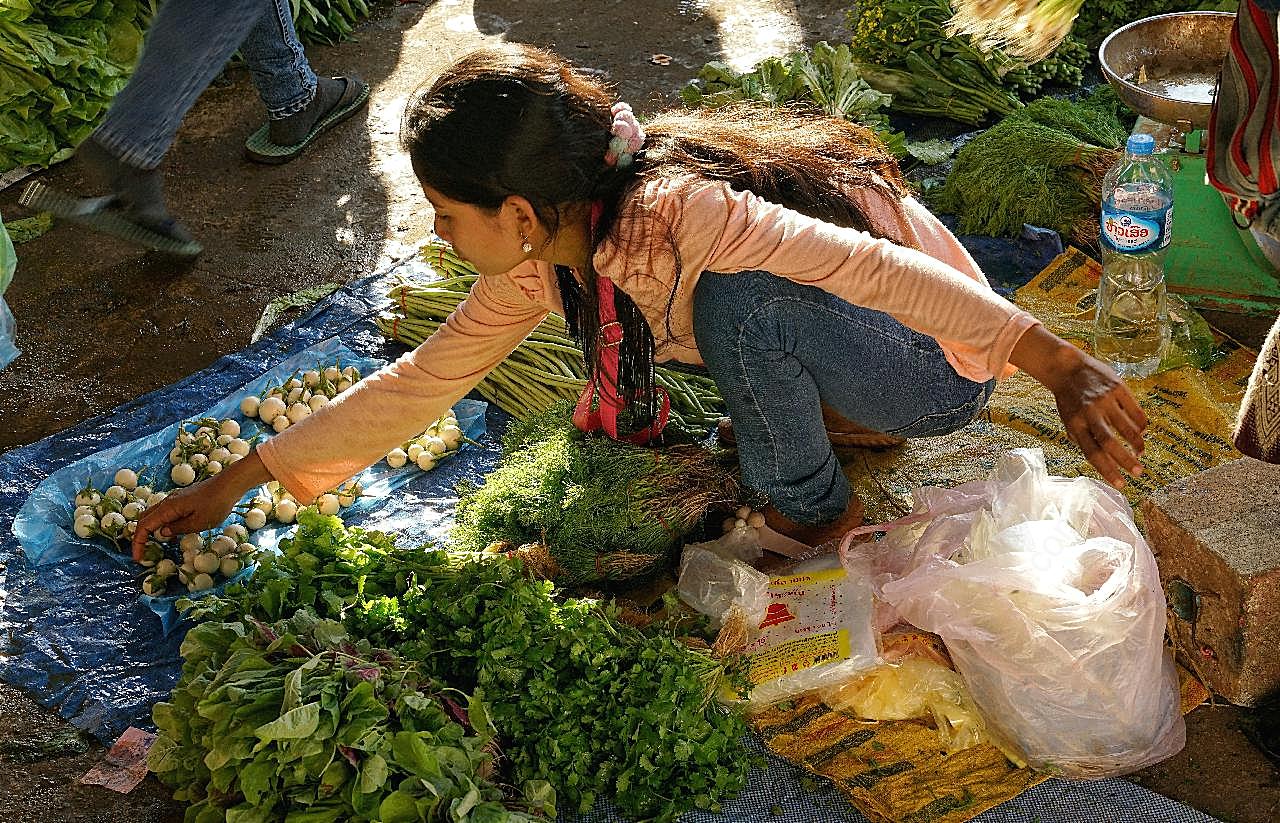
(1041, 165)
(606, 511)
(328, 21)
(296, 721)
(826, 78)
(61, 62)
(901, 48)
(577, 698)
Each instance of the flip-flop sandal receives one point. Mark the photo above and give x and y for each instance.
(105, 215)
(260, 149)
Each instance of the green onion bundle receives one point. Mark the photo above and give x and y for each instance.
(547, 368)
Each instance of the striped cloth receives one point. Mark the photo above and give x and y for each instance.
(1244, 136)
(1244, 164)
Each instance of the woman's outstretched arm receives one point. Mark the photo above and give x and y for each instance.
(1098, 410)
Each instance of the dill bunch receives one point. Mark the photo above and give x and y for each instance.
(1041, 165)
(607, 512)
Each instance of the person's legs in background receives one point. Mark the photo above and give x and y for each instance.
(298, 103)
(188, 43)
(277, 62)
(778, 350)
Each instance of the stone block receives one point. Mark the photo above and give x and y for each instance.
(1216, 538)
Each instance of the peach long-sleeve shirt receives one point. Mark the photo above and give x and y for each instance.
(927, 280)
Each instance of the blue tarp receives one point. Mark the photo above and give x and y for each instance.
(76, 637)
(43, 526)
(75, 632)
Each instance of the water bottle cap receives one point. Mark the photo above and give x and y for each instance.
(1140, 144)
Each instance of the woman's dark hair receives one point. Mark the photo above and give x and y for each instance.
(517, 120)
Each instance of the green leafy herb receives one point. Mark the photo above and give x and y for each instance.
(606, 511)
(295, 721)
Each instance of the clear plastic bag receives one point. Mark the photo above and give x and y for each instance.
(8, 329)
(816, 631)
(717, 586)
(1051, 607)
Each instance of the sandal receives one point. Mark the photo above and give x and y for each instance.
(260, 149)
(105, 214)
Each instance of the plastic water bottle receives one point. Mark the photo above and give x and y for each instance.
(1131, 326)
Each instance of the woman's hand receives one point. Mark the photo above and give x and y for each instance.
(199, 507)
(1098, 410)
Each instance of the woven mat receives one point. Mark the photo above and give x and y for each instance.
(897, 771)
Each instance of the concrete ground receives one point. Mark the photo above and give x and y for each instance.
(101, 323)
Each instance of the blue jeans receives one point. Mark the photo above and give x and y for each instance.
(778, 350)
(187, 45)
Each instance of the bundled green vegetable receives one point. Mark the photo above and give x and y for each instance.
(825, 78)
(61, 62)
(1042, 165)
(298, 721)
(328, 21)
(575, 697)
(902, 48)
(606, 511)
(546, 368)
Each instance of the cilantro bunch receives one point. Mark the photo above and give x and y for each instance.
(295, 721)
(596, 707)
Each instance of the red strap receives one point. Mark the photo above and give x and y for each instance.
(591, 416)
(604, 383)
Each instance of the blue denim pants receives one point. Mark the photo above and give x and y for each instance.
(187, 45)
(779, 349)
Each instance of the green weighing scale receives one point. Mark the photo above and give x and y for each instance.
(1165, 68)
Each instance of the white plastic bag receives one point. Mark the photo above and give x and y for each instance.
(816, 630)
(1050, 604)
(716, 586)
(8, 263)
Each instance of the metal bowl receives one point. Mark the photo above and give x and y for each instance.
(1180, 55)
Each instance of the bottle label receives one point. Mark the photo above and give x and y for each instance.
(1134, 232)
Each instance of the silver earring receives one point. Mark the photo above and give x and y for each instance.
(526, 247)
